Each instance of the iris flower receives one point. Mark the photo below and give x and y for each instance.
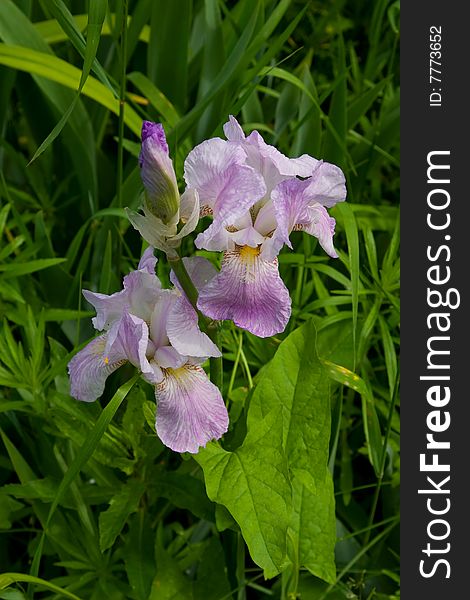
(257, 197)
(167, 218)
(157, 331)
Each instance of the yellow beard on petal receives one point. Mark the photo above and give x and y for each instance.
(248, 254)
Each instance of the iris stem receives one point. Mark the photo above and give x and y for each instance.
(211, 328)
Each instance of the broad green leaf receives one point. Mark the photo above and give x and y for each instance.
(253, 484)
(121, 506)
(184, 491)
(170, 582)
(7, 507)
(295, 385)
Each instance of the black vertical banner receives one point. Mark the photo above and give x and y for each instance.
(435, 359)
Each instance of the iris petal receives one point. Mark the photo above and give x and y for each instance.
(89, 369)
(296, 207)
(216, 169)
(190, 409)
(249, 291)
(141, 287)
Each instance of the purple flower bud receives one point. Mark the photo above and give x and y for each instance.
(162, 198)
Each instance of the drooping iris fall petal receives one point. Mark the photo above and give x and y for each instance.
(249, 291)
(190, 409)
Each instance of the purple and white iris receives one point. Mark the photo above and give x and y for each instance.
(157, 331)
(257, 197)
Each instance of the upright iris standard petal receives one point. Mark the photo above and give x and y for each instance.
(138, 295)
(157, 172)
(322, 226)
(296, 206)
(148, 261)
(225, 185)
(266, 159)
(190, 409)
(182, 323)
(249, 291)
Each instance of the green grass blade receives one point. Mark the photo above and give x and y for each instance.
(93, 22)
(82, 457)
(17, 268)
(57, 70)
(8, 579)
(168, 48)
(348, 221)
(94, 26)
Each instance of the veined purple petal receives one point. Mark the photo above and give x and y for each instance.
(108, 308)
(296, 208)
(89, 369)
(190, 409)
(248, 237)
(199, 269)
(189, 216)
(249, 291)
(217, 240)
(322, 226)
(168, 357)
(233, 130)
(184, 333)
(182, 324)
(148, 261)
(206, 165)
(327, 185)
(156, 131)
(141, 288)
(266, 159)
(273, 164)
(159, 318)
(129, 337)
(215, 169)
(290, 201)
(265, 221)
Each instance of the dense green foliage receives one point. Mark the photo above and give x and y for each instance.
(92, 505)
